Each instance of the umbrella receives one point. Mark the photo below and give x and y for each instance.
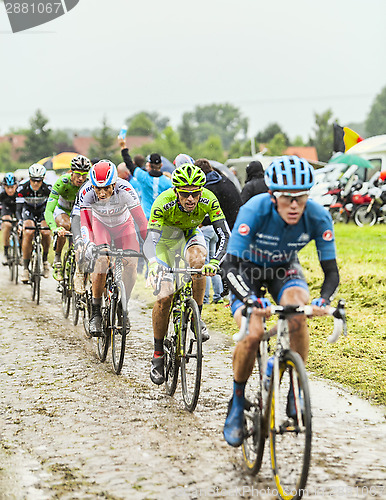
(167, 166)
(352, 160)
(59, 162)
(225, 170)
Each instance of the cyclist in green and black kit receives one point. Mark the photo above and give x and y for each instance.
(59, 205)
(173, 228)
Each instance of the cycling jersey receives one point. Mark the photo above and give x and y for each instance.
(261, 236)
(171, 222)
(62, 195)
(8, 203)
(32, 201)
(112, 212)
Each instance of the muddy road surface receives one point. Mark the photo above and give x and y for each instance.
(71, 428)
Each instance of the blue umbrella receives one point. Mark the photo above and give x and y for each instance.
(167, 166)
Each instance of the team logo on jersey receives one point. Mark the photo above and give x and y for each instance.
(327, 235)
(244, 229)
(303, 237)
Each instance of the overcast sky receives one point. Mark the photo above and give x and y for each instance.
(277, 60)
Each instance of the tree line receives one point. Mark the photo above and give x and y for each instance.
(215, 131)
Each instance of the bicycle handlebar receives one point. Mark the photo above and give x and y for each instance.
(173, 270)
(338, 313)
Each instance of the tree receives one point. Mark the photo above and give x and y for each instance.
(376, 120)
(39, 141)
(62, 141)
(240, 148)
(277, 145)
(323, 139)
(167, 144)
(269, 133)
(6, 163)
(145, 123)
(106, 145)
(211, 149)
(224, 120)
(298, 141)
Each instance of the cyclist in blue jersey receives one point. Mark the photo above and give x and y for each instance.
(269, 231)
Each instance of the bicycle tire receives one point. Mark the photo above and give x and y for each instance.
(12, 263)
(364, 218)
(171, 356)
(191, 360)
(75, 308)
(16, 257)
(254, 426)
(87, 306)
(103, 343)
(66, 295)
(36, 274)
(118, 325)
(290, 443)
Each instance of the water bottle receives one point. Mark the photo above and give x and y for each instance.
(122, 132)
(268, 373)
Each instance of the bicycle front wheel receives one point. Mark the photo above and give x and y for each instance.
(66, 292)
(171, 356)
(191, 360)
(290, 430)
(12, 263)
(86, 301)
(75, 307)
(119, 326)
(36, 274)
(103, 343)
(254, 429)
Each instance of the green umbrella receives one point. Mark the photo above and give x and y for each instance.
(352, 160)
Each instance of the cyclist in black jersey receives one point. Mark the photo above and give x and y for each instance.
(32, 196)
(8, 209)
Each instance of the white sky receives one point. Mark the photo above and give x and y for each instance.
(277, 60)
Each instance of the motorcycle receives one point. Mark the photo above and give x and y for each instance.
(373, 212)
(347, 201)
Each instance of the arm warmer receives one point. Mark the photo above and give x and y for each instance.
(222, 230)
(237, 284)
(331, 279)
(128, 161)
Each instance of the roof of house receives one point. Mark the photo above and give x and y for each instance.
(306, 152)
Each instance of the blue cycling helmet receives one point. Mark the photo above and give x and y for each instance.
(289, 172)
(104, 173)
(9, 179)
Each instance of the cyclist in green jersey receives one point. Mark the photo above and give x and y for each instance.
(173, 229)
(59, 205)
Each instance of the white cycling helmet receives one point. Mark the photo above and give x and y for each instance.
(37, 171)
(181, 159)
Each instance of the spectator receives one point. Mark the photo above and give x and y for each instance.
(230, 202)
(254, 183)
(139, 161)
(152, 182)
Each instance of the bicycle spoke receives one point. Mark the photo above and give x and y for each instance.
(119, 325)
(290, 428)
(171, 357)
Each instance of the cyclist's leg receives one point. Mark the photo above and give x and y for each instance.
(26, 245)
(6, 227)
(243, 361)
(62, 220)
(46, 241)
(125, 238)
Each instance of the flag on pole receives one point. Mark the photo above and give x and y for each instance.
(345, 138)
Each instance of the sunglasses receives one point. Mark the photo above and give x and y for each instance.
(186, 194)
(36, 179)
(301, 197)
(82, 174)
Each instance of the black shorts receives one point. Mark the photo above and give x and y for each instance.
(28, 214)
(8, 210)
(274, 279)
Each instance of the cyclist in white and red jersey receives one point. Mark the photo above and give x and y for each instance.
(110, 212)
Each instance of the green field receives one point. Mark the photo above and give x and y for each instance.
(358, 361)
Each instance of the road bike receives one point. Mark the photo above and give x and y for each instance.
(267, 402)
(183, 340)
(14, 253)
(115, 320)
(36, 263)
(66, 285)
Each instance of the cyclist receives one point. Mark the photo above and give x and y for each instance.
(269, 231)
(59, 205)
(8, 209)
(32, 196)
(107, 211)
(173, 228)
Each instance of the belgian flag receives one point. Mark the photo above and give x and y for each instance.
(345, 138)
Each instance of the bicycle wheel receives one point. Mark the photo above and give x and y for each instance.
(254, 428)
(86, 300)
(103, 343)
(36, 274)
(118, 324)
(66, 292)
(363, 217)
(16, 258)
(75, 307)
(12, 263)
(290, 438)
(191, 360)
(171, 356)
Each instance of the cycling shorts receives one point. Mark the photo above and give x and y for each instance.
(8, 210)
(274, 279)
(59, 211)
(28, 214)
(123, 235)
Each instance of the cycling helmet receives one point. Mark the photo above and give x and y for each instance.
(80, 163)
(188, 175)
(9, 179)
(37, 171)
(181, 159)
(289, 172)
(104, 173)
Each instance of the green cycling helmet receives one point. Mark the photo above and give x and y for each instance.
(188, 175)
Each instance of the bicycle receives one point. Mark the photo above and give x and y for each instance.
(265, 414)
(115, 320)
(36, 263)
(14, 255)
(183, 340)
(66, 286)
